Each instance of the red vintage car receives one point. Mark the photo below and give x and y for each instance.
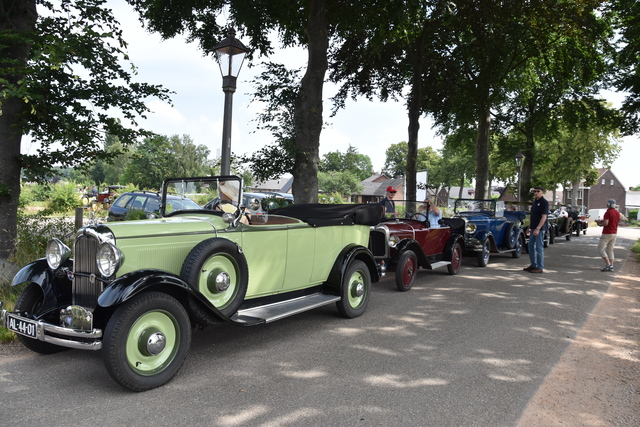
(405, 244)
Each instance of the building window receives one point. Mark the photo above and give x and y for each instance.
(603, 181)
(611, 182)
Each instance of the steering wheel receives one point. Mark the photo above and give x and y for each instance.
(418, 216)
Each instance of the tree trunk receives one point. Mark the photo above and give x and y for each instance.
(415, 103)
(308, 107)
(482, 154)
(17, 16)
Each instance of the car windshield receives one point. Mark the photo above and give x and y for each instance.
(470, 206)
(213, 193)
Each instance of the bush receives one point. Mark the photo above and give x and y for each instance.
(636, 249)
(64, 198)
(334, 198)
(34, 232)
(135, 214)
(633, 215)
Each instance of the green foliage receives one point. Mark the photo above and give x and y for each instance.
(633, 215)
(395, 163)
(636, 249)
(34, 232)
(64, 198)
(135, 215)
(276, 90)
(351, 161)
(159, 157)
(344, 183)
(334, 198)
(74, 75)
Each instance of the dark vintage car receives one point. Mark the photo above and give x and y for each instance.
(562, 226)
(580, 222)
(525, 207)
(488, 229)
(135, 289)
(406, 244)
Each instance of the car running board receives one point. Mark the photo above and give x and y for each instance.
(276, 311)
(439, 264)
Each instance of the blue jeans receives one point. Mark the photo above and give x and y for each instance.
(536, 250)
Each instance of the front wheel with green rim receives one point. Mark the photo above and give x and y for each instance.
(355, 290)
(146, 341)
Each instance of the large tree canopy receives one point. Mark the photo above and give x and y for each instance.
(63, 83)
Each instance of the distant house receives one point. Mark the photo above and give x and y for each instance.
(375, 188)
(595, 197)
(281, 185)
(632, 202)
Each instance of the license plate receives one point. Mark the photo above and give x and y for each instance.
(24, 327)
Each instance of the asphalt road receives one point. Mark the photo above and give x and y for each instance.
(465, 350)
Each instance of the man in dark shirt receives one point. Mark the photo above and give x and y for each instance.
(388, 204)
(537, 228)
(609, 232)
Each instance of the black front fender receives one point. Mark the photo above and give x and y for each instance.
(347, 255)
(56, 286)
(128, 285)
(412, 245)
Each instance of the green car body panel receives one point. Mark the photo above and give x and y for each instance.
(287, 264)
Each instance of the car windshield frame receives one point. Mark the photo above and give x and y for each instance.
(475, 207)
(201, 190)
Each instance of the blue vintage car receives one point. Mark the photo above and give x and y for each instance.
(489, 228)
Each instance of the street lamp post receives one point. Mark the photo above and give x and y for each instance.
(519, 161)
(230, 54)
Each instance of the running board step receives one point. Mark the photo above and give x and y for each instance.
(272, 312)
(439, 264)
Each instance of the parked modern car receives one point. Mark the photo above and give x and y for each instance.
(135, 288)
(406, 244)
(147, 202)
(488, 230)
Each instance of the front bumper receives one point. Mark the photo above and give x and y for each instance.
(63, 336)
(473, 244)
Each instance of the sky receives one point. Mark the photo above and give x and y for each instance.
(198, 103)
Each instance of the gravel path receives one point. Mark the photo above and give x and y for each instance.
(597, 381)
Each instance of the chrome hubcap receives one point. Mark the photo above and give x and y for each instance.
(156, 343)
(223, 281)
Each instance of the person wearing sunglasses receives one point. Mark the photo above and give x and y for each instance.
(539, 213)
(389, 206)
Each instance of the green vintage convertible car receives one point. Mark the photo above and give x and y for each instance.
(135, 289)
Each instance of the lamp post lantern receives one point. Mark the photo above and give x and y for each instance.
(230, 54)
(519, 161)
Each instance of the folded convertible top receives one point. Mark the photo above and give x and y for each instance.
(319, 215)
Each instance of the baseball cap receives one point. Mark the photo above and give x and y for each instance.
(390, 188)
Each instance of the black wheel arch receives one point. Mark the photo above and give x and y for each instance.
(348, 254)
(134, 283)
(55, 285)
(411, 245)
(448, 251)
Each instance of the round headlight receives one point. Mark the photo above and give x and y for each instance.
(393, 241)
(109, 259)
(470, 228)
(57, 253)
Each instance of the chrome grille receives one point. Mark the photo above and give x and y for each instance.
(86, 288)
